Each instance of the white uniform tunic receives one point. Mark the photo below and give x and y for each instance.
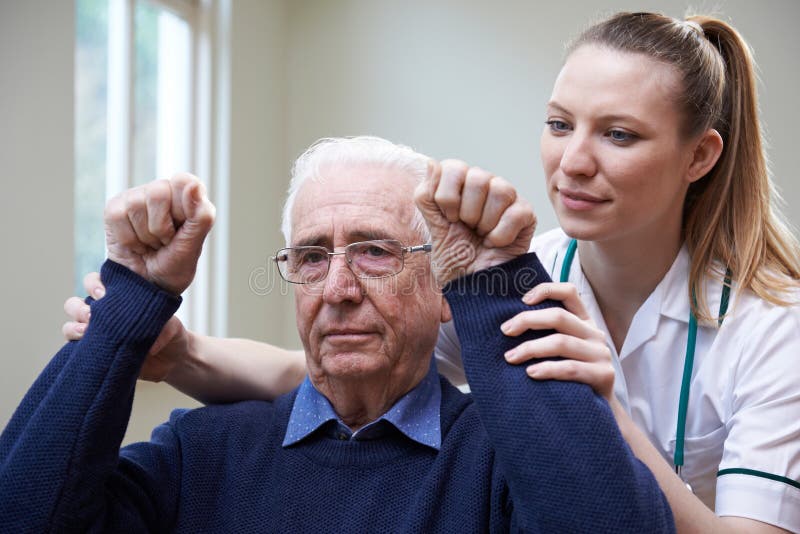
(742, 445)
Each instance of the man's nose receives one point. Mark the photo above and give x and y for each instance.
(578, 158)
(341, 285)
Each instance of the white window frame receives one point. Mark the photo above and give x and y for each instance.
(205, 303)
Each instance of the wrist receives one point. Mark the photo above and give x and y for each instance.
(624, 422)
(186, 357)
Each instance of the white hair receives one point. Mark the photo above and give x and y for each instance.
(360, 150)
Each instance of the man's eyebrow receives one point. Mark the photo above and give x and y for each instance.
(312, 241)
(352, 237)
(368, 235)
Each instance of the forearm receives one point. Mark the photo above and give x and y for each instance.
(565, 461)
(64, 442)
(219, 370)
(691, 515)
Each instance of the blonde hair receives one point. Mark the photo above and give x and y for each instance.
(728, 217)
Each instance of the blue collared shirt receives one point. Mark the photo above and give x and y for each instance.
(416, 415)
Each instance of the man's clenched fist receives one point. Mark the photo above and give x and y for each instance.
(476, 219)
(157, 230)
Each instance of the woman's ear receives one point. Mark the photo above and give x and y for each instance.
(707, 151)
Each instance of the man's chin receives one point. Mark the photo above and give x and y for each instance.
(346, 365)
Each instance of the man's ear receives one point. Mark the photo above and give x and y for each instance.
(706, 154)
(447, 315)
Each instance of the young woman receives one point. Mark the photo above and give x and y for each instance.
(679, 280)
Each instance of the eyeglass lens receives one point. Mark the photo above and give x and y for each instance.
(367, 259)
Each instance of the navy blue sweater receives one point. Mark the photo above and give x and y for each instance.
(518, 456)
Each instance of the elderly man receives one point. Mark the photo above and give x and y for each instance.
(373, 439)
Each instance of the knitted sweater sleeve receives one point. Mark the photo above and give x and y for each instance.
(567, 466)
(59, 455)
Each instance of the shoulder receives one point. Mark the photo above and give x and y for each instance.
(753, 317)
(457, 406)
(247, 418)
(462, 430)
(762, 340)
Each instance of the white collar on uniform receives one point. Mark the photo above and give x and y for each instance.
(676, 289)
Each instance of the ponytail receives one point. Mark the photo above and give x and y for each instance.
(729, 217)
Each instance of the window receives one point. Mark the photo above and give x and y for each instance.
(144, 104)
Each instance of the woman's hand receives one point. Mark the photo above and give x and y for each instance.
(168, 350)
(587, 358)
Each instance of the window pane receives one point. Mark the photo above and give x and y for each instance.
(145, 92)
(91, 62)
(162, 94)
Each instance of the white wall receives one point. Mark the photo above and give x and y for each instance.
(453, 78)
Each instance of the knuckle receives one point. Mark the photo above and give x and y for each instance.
(520, 216)
(571, 290)
(562, 316)
(115, 208)
(158, 191)
(445, 198)
(571, 370)
(545, 290)
(504, 191)
(183, 178)
(134, 200)
(563, 344)
(453, 164)
(479, 178)
(595, 333)
(607, 374)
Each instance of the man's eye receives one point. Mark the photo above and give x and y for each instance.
(312, 257)
(375, 251)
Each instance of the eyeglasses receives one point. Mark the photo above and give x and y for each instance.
(379, 258)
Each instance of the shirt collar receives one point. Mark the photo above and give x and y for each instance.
(416, 414)
(674, 288)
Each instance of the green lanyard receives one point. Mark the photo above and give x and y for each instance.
(688, 363)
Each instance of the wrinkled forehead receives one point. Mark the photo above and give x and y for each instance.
(347, 203)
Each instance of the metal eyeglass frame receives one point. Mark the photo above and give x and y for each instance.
(426, 247)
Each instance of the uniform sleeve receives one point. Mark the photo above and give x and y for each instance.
(60, 468)
(448, 355)
(557, 444)
(759, 475)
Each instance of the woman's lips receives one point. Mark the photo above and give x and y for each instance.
(579, 201)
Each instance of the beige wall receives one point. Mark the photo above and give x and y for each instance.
(453, 78)
(36, 174)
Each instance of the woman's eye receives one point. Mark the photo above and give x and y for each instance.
(621, 136)
(557, 126)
